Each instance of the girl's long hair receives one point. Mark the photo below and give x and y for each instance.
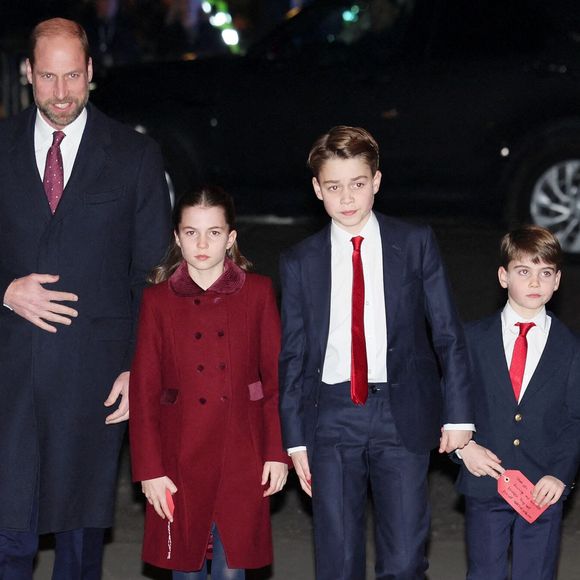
(206, 196)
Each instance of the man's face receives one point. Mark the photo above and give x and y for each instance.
(60, 79)
(347, 188)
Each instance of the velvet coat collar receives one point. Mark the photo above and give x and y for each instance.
(230, 282)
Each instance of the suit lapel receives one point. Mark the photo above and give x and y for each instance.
(553, 358)
(494, 361)
(319, 278)
(90, 162)
(393, 272)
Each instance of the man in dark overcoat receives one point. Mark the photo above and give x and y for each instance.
(84, 215)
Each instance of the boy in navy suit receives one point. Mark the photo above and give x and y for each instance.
(373, 364)
(526, 369)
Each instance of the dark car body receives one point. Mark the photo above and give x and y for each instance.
(473, 102)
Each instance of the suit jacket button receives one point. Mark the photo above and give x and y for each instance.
(518, 417)
(516, 442)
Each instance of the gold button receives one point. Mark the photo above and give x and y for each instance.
(518, 417)
(516, 442)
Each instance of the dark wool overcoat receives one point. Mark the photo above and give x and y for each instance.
(204, 412)
(110, 228)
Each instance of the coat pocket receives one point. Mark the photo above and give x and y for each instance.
(256, 391)
(169, 396)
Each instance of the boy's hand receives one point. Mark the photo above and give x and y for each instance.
(277, 473)
(481, 461)
(154, 490)
(300, 461)
(454, 439)
(548, 490)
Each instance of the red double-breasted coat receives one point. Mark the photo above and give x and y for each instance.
(204, 412)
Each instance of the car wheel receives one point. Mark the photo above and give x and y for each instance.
(546, 192)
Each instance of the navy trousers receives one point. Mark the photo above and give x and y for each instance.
(492, 526)
(357, 446)
(78, 553)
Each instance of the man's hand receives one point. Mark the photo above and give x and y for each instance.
(300, 460)
(29, 299)
(155, 492)
(277, 473)
(548, 490)
(120, 388)
(481, 461)
(454, 439)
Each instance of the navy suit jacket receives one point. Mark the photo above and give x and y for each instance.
(427, 363)
(546, 422)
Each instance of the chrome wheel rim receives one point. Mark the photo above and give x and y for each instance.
(555, 203)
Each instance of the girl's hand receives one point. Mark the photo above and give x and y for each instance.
(155, 490)
(481, 461)
(277, 473)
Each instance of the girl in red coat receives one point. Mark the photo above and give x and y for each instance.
(205, 432)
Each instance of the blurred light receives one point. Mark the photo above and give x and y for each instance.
(220, 18)
(140, 129)
(206, 7)
(348, 16)
(504, 151)
(230, 37)
(292, 12)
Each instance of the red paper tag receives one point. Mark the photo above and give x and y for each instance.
(517, 490)
(170, 503)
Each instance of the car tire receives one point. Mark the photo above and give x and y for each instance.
(545, 188)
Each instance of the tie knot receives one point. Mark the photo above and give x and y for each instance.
(356, 242)
(525, 327)
(57, 138)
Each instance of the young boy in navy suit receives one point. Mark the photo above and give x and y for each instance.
(373, 364)
(526, 369)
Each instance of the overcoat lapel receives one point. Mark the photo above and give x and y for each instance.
(90, 163)
(319, 278)
(23, 160)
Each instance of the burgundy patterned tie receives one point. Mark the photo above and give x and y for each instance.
(518, 364)
(359, 388)
(53, 172)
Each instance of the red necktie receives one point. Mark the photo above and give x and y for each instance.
(359, 387)
(53, 172)
(518, 363)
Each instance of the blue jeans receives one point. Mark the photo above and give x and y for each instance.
(219, 566)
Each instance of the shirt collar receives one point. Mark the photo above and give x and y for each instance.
(75, 129)
(510, 317)
(340, 237)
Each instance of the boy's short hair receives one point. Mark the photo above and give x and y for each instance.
(535, 241)
(344, 142)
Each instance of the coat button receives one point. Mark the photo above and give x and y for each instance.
(220, 333)
(516, 442)
(200, 368)
(197, 301)
(223, 398)
(197, 335)
(518, 417)
(222, 366)
(203, 401)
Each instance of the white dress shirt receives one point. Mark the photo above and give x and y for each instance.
(336, 364)
(68, 148)
(537, 337)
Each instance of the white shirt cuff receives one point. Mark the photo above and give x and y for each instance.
(459, 427)
(294, 449)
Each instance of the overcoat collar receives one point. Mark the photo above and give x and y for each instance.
(230, 282)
